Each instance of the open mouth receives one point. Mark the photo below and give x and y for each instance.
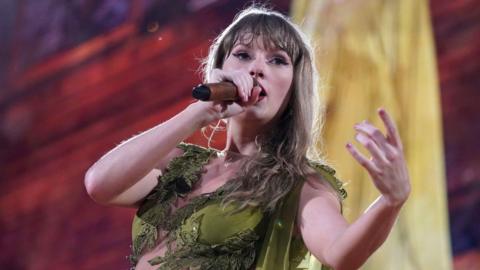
(263, 93)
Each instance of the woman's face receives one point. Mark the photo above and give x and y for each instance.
(272, 69)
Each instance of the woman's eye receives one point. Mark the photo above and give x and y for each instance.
(241, 55)
(278, 61)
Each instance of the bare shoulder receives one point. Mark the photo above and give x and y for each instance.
(318, 189)
(319, 216)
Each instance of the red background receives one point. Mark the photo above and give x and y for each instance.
(79, 77)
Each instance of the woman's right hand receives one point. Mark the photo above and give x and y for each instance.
(127, 173)
(247, 93)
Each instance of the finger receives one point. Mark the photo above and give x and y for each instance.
(250, 83)
(391, 128)
(376, 135)
(364, 162)
(229, 108)
(244, 81)
(233, 109)
(372, 147)
(247, 91)
(241, 88)
(246, 86)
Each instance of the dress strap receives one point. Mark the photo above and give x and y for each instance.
(275, 251)
(281, 249)
(328, 174)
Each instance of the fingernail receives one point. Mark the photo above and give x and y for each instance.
(348, 145)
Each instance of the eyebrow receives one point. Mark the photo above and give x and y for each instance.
(277, 50)
(242, 45)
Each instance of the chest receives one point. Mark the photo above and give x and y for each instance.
(187, 204)
(210, 177)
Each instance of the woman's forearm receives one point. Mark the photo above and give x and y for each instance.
(360, 240)
(388, 170)
(127, 163)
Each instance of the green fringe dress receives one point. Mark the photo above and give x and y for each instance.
(203, 236)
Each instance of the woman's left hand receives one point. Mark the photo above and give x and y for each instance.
(387, 166)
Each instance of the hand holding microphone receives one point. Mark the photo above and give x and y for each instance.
(226, 94)
(228, 86)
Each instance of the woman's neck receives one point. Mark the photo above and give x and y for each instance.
(241, 141)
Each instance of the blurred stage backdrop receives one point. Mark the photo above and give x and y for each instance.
(79, 77)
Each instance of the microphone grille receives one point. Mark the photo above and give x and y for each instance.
(201, 92)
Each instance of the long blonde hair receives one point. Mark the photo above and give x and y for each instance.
(283, 154)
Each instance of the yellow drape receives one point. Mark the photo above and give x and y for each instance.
(374, 53)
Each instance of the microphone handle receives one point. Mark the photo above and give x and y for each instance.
(221, 91)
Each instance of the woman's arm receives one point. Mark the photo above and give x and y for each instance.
(331, 239)
(326, 233)
(132, 161)
(127, 173)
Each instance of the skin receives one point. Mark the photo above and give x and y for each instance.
(124, 176)
(337, 243)
(250, 116)
(348, 246)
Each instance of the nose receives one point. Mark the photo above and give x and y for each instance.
(256, 69)
(256, 74)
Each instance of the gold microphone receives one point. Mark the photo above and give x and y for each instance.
(221, 91)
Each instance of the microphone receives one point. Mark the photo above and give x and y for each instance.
(221, 91)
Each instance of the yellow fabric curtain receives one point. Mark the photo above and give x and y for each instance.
(374, 53)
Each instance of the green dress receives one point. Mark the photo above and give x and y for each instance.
(203, 235)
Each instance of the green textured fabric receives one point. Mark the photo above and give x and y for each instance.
(281, 249)
(207, 236)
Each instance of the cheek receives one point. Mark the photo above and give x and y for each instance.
(284, 81)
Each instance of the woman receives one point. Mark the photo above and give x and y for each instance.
(262, 202)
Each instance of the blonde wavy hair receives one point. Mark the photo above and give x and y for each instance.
(284, 153)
